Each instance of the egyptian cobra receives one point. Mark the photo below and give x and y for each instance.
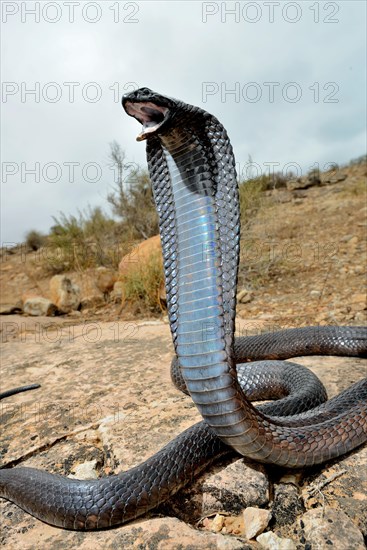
(192, 170)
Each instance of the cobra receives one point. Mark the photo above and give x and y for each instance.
(192, 169)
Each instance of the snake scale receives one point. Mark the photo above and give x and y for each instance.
(192, 169)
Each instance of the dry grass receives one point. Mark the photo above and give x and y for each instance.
(142, 286)
(356, 188)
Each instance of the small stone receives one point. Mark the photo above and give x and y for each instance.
(294, 478)
(217, 523)
(244, 296)
(358, 306)
(271, 541)
(352, 243)
(338, 177)
(74, 313)
(85, 471)
(233, 525)
(359, 298)
(92, 301)
(315, 293)
(255, 521)
(346, 238)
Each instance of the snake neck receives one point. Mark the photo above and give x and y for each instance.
(200, 238)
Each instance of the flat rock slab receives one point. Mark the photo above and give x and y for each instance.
(106, 398)
(328, 527)
(153, 534)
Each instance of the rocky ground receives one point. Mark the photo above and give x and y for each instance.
(106, 401)
(112, 422)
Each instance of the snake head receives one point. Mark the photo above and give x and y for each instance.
(151, 109)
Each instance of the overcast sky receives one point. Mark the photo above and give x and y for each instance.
(287, 80)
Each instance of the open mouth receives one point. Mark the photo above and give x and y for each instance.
(150, 115)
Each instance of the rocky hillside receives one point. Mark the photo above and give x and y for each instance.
(303, 257)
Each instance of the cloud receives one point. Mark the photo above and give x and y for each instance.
(286, 91)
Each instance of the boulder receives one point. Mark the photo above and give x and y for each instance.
(38, 306)
(140, 255)
(106, 279)
(64, 293)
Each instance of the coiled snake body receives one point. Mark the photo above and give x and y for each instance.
(192, 169)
